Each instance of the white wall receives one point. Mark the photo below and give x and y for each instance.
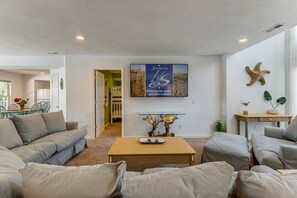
(29, 87)
(271, 53)
(31, 62)
(16, 84)
(202, 107)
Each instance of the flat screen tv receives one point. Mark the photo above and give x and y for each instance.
(159, 80)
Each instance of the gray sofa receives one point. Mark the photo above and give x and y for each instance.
(277, 148)
(42, 138)
(215, 179)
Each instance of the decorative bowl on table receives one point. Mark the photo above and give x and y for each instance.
(152, 140)
(273, 111)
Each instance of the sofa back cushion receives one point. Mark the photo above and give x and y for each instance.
(30, 127)
(205, 180)
(54, 122)
(10, 178)
(9, 136)
(41, 180)
(266, 185)
(291, 131)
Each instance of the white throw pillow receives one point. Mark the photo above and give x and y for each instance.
(205, 180)
(51, 181)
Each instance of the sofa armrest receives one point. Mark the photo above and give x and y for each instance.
(71, 125)
(274, 132)
(288, 155)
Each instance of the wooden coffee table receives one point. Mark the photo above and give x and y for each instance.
(174, 151)
(287, 171)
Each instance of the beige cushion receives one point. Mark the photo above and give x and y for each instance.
(266, 185)
(155, 170)
(54, 122)
(291, 131)
(40, 180)
(9, 136)
(206, 180)
(30, 127)
(10, 178)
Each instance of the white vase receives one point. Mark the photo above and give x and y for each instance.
(273, 111)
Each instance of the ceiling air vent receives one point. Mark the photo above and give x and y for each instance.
(272, 28)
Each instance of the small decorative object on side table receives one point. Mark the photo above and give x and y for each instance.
(245, 111)
(168, 119)
(154, 122)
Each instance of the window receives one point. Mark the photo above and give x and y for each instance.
(5, 93)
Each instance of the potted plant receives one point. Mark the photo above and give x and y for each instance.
(280, 101)
(219, 126)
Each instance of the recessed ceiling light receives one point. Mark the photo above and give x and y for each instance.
(243, 40)
(53, 53)
(80, 37)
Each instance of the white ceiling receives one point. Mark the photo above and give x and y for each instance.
(139, 27)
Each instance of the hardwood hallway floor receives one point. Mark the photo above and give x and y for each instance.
(96, 153)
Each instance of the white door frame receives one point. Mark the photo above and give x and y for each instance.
(92, 107)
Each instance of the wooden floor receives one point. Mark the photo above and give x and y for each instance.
(98, 148)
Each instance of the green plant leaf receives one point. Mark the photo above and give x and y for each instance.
(281, 100)
(267, 96)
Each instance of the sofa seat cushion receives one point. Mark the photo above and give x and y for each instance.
(38, 153)
(30, 127)
(266, 150)
(49, 181)
(64, 139)
(10, 178)
(54, 122)
(9, 136)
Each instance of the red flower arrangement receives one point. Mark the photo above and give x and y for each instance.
(21, 102)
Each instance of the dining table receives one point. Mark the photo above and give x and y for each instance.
(12, 112)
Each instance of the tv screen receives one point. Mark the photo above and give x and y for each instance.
(159, 80)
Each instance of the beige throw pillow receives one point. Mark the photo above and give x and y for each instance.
(10, 178)
(54, 122)
(266, 185)
(50, 181)
(209, 180)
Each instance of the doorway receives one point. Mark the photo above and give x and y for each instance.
(108, 101)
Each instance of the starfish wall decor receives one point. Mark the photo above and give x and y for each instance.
(256, 74)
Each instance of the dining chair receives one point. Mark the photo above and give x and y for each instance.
(35, 108)
(2, 108)
(45, 107)
(13, 107)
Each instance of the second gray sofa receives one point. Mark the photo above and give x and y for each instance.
(277, 148)
(42, 138)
